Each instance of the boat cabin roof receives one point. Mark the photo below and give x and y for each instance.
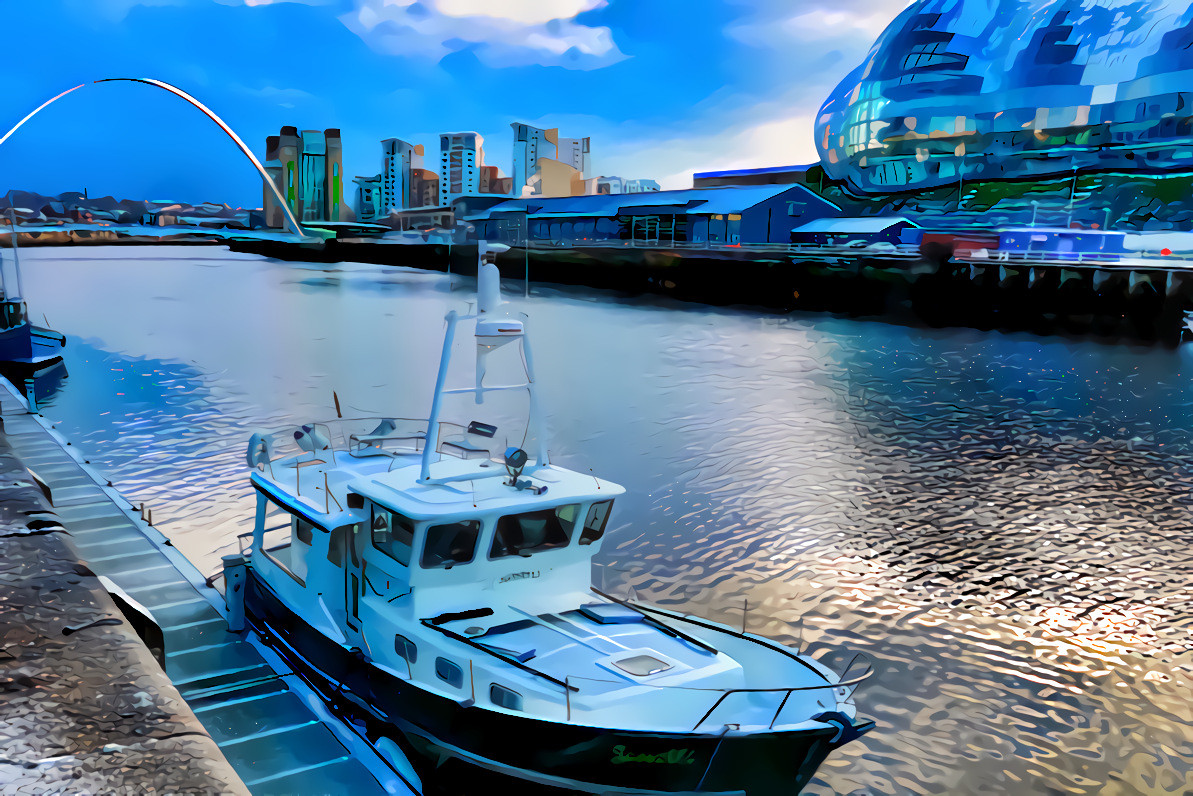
(488, 491)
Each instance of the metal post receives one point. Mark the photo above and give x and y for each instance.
(31, 395)
(526, 249)
(432, 443)
(234, 577)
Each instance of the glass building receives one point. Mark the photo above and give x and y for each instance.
(958, 90)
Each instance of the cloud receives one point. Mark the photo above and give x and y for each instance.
(511, 33)
(849, 20)
(781, 141)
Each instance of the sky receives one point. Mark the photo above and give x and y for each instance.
(664, 88)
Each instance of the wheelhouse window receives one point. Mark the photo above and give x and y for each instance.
(451, 544)
(524, 534)
(594, 525)
(393, 535)
(503, 697)
(449, 672)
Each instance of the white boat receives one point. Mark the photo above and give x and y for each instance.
(440, 585)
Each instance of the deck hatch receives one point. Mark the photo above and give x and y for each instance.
(642, 665)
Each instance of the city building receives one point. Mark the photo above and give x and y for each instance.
(575, 152)
(307, 169)
(399, 161)
(708, 216)
(493, 183)
(612, 185)
(461, 158)
(773, 175)
(975, 90)
(424, 188)
(867, 230)
(368, 198)
(554, 178)
(530, 144)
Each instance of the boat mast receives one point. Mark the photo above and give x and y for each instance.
(491, 333)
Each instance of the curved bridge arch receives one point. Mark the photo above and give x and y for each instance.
(293, 222)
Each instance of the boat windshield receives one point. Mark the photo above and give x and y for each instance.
(393, 535)
(450, 544)
(523, 534)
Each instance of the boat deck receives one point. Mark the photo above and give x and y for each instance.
(249, 702)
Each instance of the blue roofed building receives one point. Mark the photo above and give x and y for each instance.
(698, 217)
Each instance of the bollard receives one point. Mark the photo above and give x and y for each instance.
(31, 395)
(234, 577)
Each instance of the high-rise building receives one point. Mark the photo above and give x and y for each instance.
(531, 144)
(461, 158)
(281, 163)
(575, 153)
(308, 170)
(368, 198)
(398, 160)
(424, 188)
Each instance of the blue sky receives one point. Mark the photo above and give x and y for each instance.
(663, 87)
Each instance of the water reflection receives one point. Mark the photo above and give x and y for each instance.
(1001, 522)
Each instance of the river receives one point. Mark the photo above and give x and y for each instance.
(1002, 523)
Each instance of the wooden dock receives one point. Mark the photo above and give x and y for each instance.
(269, 725)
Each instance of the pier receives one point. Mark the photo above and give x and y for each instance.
(1143, 298)
(96, 712)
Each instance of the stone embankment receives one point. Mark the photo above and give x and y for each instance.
(84, 705)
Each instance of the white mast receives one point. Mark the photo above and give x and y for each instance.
(492, 332)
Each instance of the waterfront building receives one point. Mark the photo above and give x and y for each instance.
(307, 169)
(771, 175)
(615, 185)
(575, 152)
(961, 90)
(709, 216)
(554, 178)
(424, 188)
(493, 183)
(281, 163)
(829, 231)
(530, 144)
(461, 157)
(369, 205)
(399, 160)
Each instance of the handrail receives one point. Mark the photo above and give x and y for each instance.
(656, 623)
(512, 661)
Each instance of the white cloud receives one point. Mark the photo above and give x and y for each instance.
(525, 12)
(782, 141)
(853, 22)
(513, 33)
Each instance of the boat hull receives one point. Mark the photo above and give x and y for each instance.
(589, 759)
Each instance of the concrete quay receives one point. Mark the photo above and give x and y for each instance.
(85, 706)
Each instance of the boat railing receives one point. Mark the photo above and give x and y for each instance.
(361, 437)
(743, 704)
(1026, 256)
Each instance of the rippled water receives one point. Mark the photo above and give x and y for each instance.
(1000, 522)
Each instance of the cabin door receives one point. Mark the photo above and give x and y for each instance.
(354, 580)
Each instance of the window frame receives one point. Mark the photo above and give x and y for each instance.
(459, 672)
(604, 522)
(517, 696)
(374, 510)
